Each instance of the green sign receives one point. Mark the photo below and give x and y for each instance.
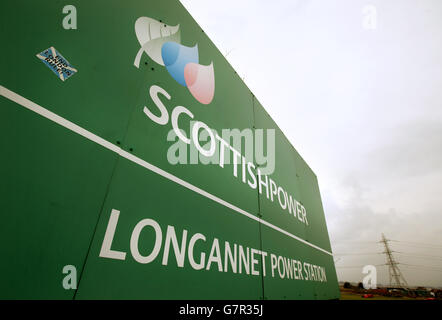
(137, 165)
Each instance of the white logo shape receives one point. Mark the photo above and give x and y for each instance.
(151, 35)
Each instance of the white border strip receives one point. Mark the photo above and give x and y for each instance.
(89, 135)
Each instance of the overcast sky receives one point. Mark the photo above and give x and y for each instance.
(368, 110)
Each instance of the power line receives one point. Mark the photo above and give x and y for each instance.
(430, 245)
(345, 267)
(417, 246)
(354, 242)
(418, 255)
(418, 243)
(357, 254)
(403, 264)
(419, 265)
(413, 254)
(422, 267)
(396, 277)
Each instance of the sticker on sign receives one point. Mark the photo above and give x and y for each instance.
(57, 63)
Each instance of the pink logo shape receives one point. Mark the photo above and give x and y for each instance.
(200, 81)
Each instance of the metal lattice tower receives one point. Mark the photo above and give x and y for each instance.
(396, 277)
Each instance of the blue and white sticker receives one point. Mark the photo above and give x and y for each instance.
(57, 63)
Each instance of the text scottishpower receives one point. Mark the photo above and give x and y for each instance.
(223, 257)
(248, 169)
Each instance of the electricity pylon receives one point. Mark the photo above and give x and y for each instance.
(396, 277)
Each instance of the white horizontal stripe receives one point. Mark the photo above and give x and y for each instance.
(89, 135)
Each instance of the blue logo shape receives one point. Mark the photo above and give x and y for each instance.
(176, 57)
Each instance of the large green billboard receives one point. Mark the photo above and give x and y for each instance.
(136, 164)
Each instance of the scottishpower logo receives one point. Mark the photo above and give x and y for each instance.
(161, 43)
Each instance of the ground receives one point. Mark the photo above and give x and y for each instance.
(350, 295)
